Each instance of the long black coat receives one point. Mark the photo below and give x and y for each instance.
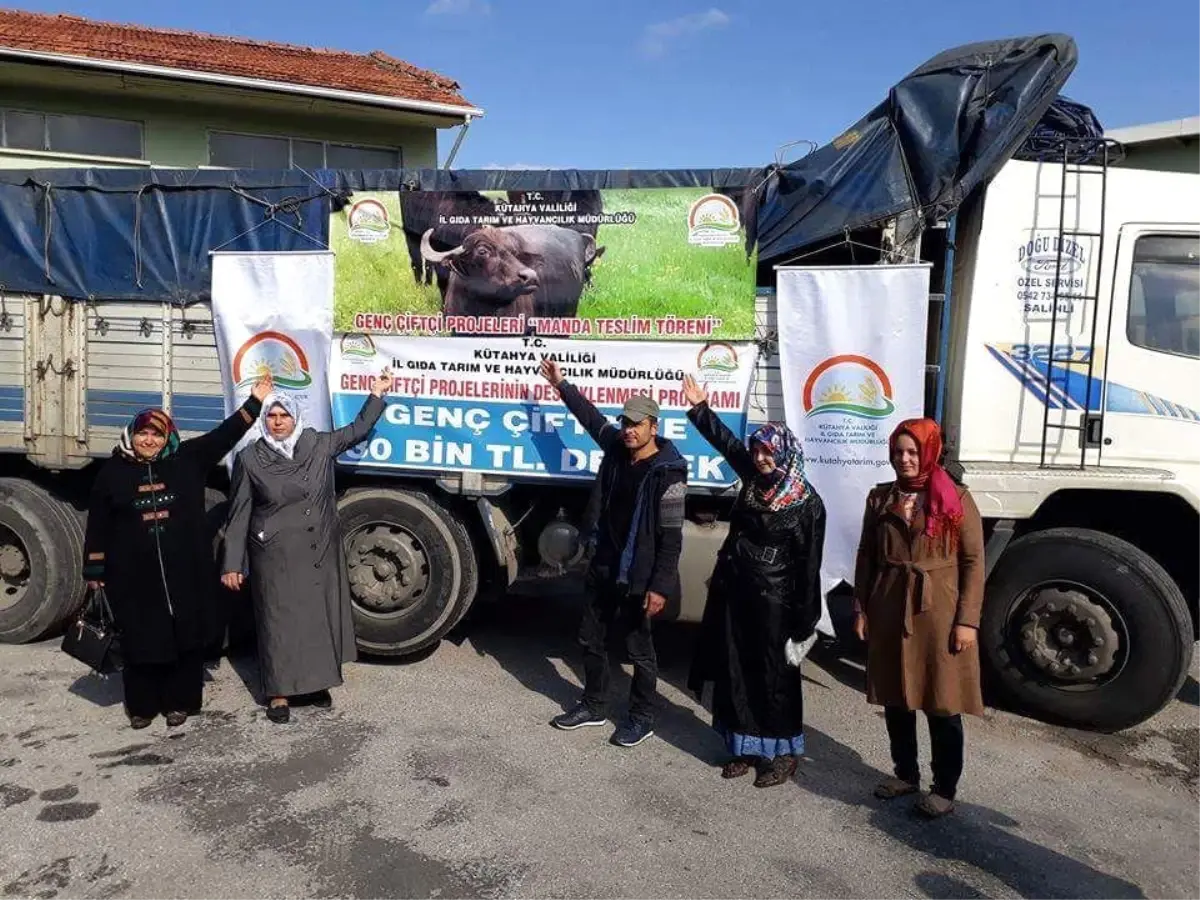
(148, 541)
(765, 589)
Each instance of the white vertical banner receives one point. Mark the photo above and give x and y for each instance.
(273, 312)
(852, 362)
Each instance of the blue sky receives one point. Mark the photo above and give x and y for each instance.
(699, 83)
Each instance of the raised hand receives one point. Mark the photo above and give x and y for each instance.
(551, 372)
(384, 382)
(692, 392)
(262, 388)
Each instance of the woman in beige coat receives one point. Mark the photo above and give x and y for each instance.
(918, 593)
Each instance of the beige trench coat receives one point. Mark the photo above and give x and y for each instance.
(913, 593)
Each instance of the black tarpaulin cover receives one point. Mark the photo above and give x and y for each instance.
(944, 130)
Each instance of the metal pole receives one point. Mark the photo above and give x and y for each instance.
(462, 133)
(944, 337)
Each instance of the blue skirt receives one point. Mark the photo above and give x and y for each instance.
(753, 745)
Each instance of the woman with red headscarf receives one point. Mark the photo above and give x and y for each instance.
(149, 548)
(918, 593)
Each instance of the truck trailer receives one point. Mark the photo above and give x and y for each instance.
(1063, 362)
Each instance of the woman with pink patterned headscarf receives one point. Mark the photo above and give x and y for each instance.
(764, 598)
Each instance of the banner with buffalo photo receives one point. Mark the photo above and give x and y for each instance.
(852, 358)
(647, 263)
(273, 312)
(468, 406)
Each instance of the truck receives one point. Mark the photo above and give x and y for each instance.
(1063, 362)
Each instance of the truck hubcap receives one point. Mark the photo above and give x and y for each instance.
(387, 567)
(1069, 634)
(14, 569)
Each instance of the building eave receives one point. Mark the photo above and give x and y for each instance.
(1176, 129)
(462, 112)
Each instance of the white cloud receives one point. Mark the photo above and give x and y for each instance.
(657, 38)
(458, 8)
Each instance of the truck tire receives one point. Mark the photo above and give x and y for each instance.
(1083, 629)
(411, 566)
(41, 555)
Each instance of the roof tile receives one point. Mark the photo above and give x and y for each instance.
(372, 73)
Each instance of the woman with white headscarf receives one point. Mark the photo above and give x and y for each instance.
(283, 522)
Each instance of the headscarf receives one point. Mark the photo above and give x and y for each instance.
(286, 447)
(149, 418)
(786, 484)
(943, 507)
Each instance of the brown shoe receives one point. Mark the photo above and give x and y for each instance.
(777, 771)
(175, 719)
(934, 806)
(139, 722)
(891, 788)
(736, 767)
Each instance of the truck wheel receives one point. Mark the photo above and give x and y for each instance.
(411, 566)
(41, 555)
(1084, 629)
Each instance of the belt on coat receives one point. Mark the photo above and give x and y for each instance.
(768, 555)
(916, 584)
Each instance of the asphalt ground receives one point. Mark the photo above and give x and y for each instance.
(442, 778)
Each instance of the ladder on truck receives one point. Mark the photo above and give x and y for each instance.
(1087, 159)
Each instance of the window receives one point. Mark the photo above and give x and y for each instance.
(247, 151)
(1164, 295)
(81, 135)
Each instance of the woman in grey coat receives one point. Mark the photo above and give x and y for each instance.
(283, 516)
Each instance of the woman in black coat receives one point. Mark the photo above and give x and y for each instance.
(148, 547)
(764, 598)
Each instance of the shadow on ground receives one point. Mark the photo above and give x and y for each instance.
(533, 640)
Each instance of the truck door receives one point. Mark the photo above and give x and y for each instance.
(1152, 370)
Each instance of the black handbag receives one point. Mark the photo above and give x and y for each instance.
(92, 637)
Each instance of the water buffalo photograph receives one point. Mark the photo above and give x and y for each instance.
(584, 254)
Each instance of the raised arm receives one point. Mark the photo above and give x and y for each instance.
(713, 430)
(810, 540)
(970, 564)
(237, 525)
(603, 432)
(210, 448)
(342, 439)
(99, 528)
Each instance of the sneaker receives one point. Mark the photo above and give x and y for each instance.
(579, 717)
(632, 733)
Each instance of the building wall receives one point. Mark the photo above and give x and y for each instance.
(176, 132)
(1174, 155)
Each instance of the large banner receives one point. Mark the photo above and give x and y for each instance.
(482, 406)
(647, 264)
(852, 354)
(273, 312)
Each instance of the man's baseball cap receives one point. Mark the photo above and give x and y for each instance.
(639, 407)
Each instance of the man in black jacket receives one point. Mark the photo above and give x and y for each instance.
(634, 525)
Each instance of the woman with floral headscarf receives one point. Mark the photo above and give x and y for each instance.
(918, 588)
(764, 598)
(149, 548)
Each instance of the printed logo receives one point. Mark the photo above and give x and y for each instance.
(713, 221)
(357, 346)
(368, 221)
(717, 357)
(849, 385)
(274, 353)
(1040, 255)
